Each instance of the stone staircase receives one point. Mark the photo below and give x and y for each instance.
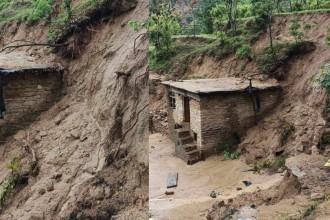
(186, 147)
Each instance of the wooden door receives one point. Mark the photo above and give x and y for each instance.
(186, 109)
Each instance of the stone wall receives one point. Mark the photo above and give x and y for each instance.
(226, 116)
(26, 96)
(195, 119)
(175, 116)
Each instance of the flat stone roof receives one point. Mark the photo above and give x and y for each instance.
(18, 62)
(219, 85)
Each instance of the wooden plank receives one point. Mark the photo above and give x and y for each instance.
(172, 180)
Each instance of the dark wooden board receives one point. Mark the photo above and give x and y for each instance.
(172, 180)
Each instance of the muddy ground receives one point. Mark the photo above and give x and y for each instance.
(191, 198)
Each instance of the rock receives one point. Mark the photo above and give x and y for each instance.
(305, 142)
(58, 121)
(37, 138)
(107, 192)
(213, 194)
(57, 177)
(239, 188)
(75, 134)
(50, 187)
(19, 135)
(43, 133)
(218, 204)
(97, 193)
(280, 170)
(39, 87)
(300, 148)
(247, 183)
(317, 196)
(315, 150)
(42, 191)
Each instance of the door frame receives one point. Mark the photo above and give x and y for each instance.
(186, 109)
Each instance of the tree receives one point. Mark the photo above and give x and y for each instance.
(162, 26)
(226, 11)
(263, 11)
(204, 10)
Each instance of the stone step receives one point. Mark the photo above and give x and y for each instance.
(193, 156)
(186, 140)
(193, 152)
(182, 132)
(189, 147)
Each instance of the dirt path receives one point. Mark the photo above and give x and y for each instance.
(191, 199)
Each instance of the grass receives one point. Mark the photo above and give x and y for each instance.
(205, 36)
(303, 12)
(311, 207)
(176, 62)
(61, 24)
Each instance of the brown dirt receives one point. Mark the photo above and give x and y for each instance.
(79, 174)
(191, 198)
(303, 107)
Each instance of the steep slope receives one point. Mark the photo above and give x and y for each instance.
(303, 106)
(92, 155)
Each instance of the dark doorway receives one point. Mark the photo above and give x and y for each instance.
(186, 109)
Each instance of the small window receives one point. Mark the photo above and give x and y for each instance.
(172, 100)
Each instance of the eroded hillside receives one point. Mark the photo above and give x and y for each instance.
(303, 108)
(90, 147)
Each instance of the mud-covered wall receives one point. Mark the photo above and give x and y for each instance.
(26, 96)
(226, 117)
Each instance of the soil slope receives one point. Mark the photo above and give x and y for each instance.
(303, 106)
(90, 146)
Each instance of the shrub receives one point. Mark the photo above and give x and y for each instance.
(298, 31)
(287, 130)
(244, 52)
(11, 181)
(323, 78)
(266, 164)
(229, 154)
(273, 58)
(40, 9)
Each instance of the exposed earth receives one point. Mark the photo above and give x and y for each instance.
(191, 199)
(303, 191)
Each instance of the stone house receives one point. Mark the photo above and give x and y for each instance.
(206, 114)
(28, 88)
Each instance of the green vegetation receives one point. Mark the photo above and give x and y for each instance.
(40, 9)
(297, 31)
(230, 152)
(311, 207)
(11, 181)
(323, 77)
(183, 50)
(273, 58)
(163, 24)
(28, 11)
(245, 52)
(70, 16)
(236, 25)
(272, 165)
(287, 130)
